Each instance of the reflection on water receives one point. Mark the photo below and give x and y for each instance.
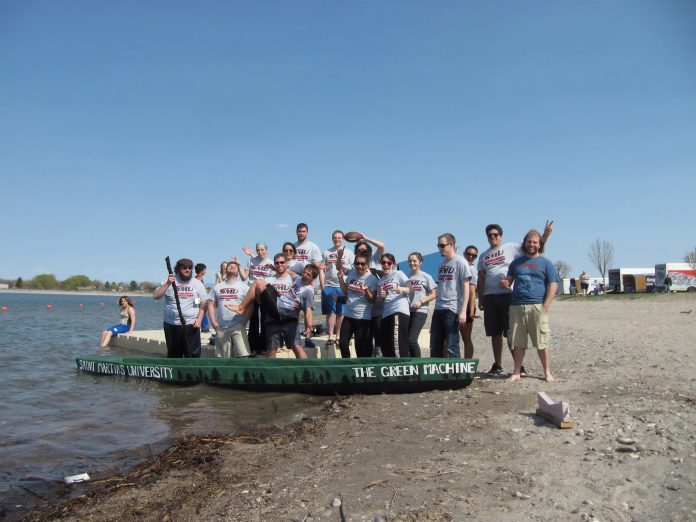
(55, 421)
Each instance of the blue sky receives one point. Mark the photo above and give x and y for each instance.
(135, 130)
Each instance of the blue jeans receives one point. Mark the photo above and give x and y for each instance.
(444, 328)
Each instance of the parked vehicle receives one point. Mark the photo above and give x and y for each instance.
(683, 277)
(623, 279)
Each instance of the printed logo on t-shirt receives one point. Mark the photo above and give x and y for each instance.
(494, 258)
(446, 273)
(301, 254)
(281, 288)
(260, 271)
(357, 286)
(229, 294)
(184, 290)
(388, 285)
(417, 285)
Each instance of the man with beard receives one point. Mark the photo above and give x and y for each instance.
(183, 341)
(536, 282)
(230, 333)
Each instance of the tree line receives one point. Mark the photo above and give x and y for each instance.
(78, 282)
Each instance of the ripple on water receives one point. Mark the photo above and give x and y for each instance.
(55, 421)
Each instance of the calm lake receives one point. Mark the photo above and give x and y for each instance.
(55, 422)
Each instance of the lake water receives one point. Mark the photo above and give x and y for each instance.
(56, 422)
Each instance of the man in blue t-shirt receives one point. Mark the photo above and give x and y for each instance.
(536, 282)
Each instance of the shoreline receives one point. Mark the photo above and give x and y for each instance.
(103, 293)
(480, 452)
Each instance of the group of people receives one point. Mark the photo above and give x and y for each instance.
(366, 298)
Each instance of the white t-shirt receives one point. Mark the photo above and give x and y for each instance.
(451, 277)
(306, 253)
(329, 259)
(393, 302)
(421, 286)
(229, 293)
(495, 262)
(357, 305)
(298, 293)
(258, 269)
(192, 295)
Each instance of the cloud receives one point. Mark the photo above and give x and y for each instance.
(282, 225)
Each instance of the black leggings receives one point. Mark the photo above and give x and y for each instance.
(395, 335)
(415, 326)
(362, 329)
(257, 329)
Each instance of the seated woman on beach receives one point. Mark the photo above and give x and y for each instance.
(126, 325)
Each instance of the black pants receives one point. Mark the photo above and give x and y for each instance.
(395, 335)
(257, 329)
(376, 334)
(362, 329)
(182, 342)
(415, 326)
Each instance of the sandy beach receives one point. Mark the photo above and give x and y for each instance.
(624, 363)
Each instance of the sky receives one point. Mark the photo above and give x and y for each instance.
(131, 131)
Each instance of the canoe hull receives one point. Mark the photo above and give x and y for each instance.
(314, 376)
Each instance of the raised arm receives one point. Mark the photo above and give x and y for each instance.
(376, 243)
(161, 290)
(548, 229)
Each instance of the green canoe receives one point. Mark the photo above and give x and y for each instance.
(316, 376)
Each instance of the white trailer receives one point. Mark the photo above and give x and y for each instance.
(623, 279)
(682, 275)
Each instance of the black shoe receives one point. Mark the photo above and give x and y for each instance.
(496, 370)
(309, 343)
(523, 372)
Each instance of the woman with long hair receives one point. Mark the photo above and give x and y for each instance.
(126, 325)
(259, 267)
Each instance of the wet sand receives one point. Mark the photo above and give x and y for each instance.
(626, 365)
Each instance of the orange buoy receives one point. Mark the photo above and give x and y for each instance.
(4, 308)
(49, 306)
(81, 305)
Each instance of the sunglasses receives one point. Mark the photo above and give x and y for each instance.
(288, 250)
(493, 234)
(386, 263)
(470, 254)
(278, 262)
(442, 245)
(360, 264)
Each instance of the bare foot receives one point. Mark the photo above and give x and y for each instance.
(514, 377)
(549, 378)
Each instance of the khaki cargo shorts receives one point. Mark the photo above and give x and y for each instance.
(529, 322)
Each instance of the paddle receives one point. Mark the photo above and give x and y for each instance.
(178, 305)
